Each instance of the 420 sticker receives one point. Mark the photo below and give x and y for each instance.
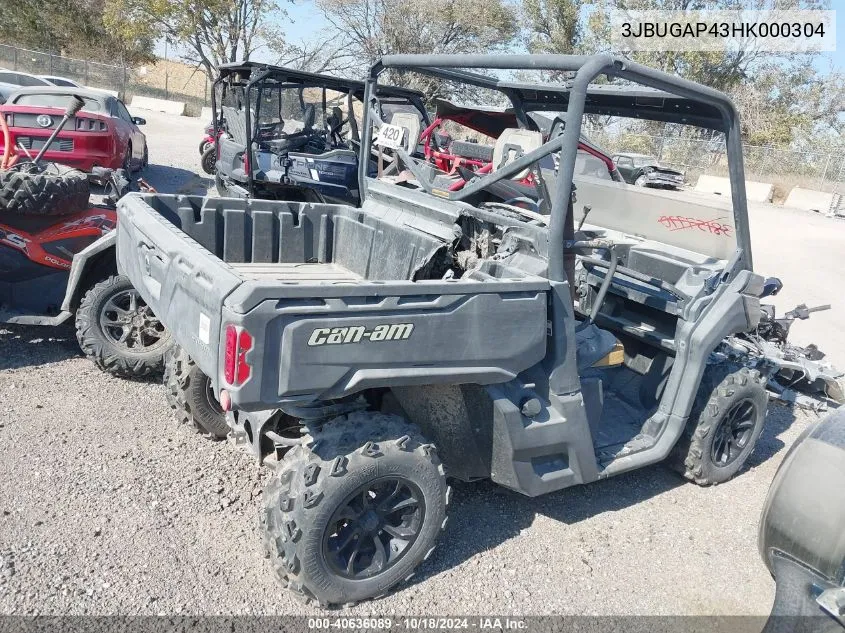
(358, 333)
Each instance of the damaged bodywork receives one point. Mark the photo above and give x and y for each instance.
(796, 374)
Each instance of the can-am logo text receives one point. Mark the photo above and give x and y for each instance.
(358, 333)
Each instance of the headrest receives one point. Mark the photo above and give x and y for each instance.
(411, 124)
(513, 144)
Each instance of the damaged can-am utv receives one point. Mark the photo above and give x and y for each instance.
(369, 353)
(302, 131)
(57, 258)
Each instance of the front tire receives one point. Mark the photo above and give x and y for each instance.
(724, 425)
(352, 512)
(190, 395)
(118, 331)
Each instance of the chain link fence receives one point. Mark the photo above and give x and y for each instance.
(786, 169)
(163, 80)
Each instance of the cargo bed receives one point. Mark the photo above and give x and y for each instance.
(335, 299)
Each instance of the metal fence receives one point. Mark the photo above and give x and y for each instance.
(164, 80)
(782, 167)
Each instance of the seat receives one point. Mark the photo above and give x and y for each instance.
(513, 143)
(411, 124)
(235, 124)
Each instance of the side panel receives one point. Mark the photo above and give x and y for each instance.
(328, 348)
(698, 223)
(182, 282)
(82, 267)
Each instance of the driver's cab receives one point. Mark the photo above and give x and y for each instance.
(292, 135)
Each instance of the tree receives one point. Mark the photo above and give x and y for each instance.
(783, 99)
(212, 32)
(322, 53)
(369, 29)
(78, 31)
(554, 26)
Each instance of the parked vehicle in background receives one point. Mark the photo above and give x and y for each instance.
(57, 261)
(302, 130)
(61, 81)
(102, 134)
(645, 171)
(208, 149)
(6, 91)
(365, 352)
(22, 79)
(471, 159)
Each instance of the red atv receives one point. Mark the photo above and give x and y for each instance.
(57, 260)
(208, 149)
(465, 159)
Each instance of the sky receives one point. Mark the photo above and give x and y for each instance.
(304, 21)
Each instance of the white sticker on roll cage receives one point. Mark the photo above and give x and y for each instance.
(390, 136)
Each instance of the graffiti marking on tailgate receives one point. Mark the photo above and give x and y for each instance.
(359, 333)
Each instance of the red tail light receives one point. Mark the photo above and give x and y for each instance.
(236, 370)
(246, 162)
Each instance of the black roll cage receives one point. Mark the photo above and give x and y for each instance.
(667, 98)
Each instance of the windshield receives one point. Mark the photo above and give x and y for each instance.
(643, 161)
(288, 108)
(53, 100)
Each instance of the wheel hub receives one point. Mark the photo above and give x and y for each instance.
(370, 521)
(128, 323)
(374, 527)
(733, 433)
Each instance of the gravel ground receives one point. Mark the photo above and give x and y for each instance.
(108, 507)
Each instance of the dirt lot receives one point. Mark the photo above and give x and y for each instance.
(107, 507)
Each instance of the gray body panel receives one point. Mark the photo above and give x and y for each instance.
(460, 329)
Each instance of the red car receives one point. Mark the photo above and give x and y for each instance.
(102, 134)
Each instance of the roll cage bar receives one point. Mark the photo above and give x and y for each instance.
(666, 98)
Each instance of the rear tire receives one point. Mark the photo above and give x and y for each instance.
(209, 160)
(189, 394)
(113, 310)
(724, 425)
(353, 512)
(58, 190)
(127, 160)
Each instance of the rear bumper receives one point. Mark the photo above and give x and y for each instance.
(84, 161)
(88, 149)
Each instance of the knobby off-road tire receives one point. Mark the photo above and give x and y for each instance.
(354, 511)
(724, 426)
(209, 160)
(113, 310)
(58, 190)
(190, 396)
